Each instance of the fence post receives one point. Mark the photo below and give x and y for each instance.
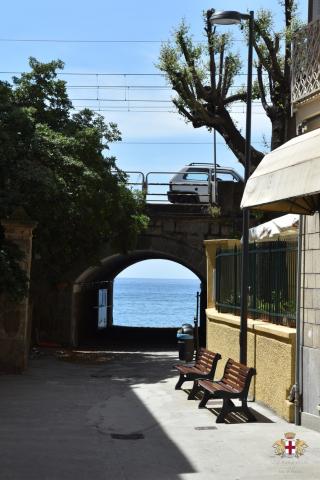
(235, 271)
(277, 254)
(254, 279)
(218, 277)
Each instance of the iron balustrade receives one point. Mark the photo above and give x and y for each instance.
(272, 281)
(156, 191)
(182, 196)
(305, 77)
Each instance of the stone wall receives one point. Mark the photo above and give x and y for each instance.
(15, 318)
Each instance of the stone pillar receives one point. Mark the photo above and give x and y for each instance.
(15, 325)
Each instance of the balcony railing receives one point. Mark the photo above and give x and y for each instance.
(272, 281)
(306, 62)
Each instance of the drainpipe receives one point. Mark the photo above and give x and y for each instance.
(298, 366)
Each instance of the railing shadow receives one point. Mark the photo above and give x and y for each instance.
(215, 406)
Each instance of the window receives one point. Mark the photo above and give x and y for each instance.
(196, 176)
(225, 177)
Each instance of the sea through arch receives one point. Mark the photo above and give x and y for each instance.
(94, 291)
(155, 294)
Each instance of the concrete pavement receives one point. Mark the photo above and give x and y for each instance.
(122, 419)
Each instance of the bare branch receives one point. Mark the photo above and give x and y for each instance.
(288, 9)
(201, 92)
(237, 97)
(261, 87)
(221, 63)
(276, 69)
(210, 36)
(182, 110)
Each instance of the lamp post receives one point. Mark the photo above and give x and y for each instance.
(232, 18)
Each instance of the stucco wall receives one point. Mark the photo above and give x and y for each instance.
(271, 350)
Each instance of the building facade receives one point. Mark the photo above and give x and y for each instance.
(306, 106)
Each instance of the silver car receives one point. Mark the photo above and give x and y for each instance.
(195, 183)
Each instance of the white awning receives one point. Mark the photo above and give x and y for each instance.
(288, 178)
(278, 228)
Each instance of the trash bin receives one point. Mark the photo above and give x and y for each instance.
(185, 342)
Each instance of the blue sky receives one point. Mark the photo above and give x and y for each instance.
(119, 21)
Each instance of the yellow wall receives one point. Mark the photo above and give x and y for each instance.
(271, 350)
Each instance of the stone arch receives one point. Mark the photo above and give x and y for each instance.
(175, 232)
(87, 284)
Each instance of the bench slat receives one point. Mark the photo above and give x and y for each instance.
(217, 386)
(238, 373)
(234, 384)
(204, 367)
(232, 377)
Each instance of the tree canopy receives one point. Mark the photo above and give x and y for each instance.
(205, 76)
(53, 163)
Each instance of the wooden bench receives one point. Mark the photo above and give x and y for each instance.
(204, 367)
(235, 383)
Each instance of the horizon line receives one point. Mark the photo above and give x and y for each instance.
(160, 278)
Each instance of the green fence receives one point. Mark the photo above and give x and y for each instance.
(272, 281)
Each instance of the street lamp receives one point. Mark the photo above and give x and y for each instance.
(231, 18)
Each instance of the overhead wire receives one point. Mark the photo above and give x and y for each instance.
(151, 100)
(130, 107)
(103, 74)
(90, 41)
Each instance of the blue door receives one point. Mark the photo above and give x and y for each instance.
(102, 308)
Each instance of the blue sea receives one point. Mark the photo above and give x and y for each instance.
(150, 302)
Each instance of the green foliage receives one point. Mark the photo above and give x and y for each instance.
(214, 211)
(53, 163)
(204, 77)
(13, 280)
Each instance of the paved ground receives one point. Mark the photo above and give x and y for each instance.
(122, 419)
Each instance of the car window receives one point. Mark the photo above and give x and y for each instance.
(225, 177)
(196, 176)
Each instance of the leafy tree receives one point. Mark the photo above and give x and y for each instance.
(204, 78)
(13, 280)
(53, 164)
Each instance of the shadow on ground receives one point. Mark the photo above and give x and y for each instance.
(129, 367)
(214, 407)
(64, 420)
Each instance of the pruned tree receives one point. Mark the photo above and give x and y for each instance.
(204, 77)
(273, 50)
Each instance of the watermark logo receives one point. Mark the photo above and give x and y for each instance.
(289, 446)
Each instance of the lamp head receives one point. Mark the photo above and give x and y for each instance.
(227, 17)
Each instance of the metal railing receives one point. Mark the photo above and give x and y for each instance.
(158, 187)
(272, 281)
(305, 79)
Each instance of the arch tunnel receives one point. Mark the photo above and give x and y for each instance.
(85, 305)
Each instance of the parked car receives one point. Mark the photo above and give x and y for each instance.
(195, 183)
